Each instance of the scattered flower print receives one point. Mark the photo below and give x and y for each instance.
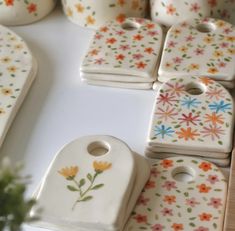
(190, 102)
(213, 131)
(170, 199)
(205, 217)
(192, 202)
(142, 200)
(205, 166)
(154, 172)
(189, 119)
(187, 134)
(201, 228)
(150, 185)
(167, 212)
(168, 113)
(220, 106)
(203, 188)
(215, 202)
(166, 99)
(157, 227)
(213, 179)
(163, 131)
(169, 185)
(177, 227)
(140, 218)
(167, 163)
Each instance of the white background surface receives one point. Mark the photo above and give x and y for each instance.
(59, 108)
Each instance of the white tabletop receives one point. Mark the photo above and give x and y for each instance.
(59, 107)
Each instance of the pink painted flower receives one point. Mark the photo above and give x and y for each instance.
(201, 228)
(172, 44)
(189, 38)
(124, 47)
(175, 89)
(168, 113)
(142, 200)
(213, 131)
(195, 7)
(157, 227)
(137, 56)
(215, 202)
(152, 33)
(120, 32)
(169, 185)
(177, 60)
(224, 45)
(192, 202)
(98, 36)
(154, 172)
(166, 99)
(140, 218)
(222, 64)
(213, 179)
(167, 212)
(228, 30)
(199, 51)
(150, 184)
(212, 3)
(99, 61)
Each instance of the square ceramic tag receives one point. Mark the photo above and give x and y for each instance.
(194, 113)
(128, 49)
(205, 48)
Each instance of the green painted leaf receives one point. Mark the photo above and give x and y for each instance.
(72, 188)
(189, 210)
(97, 186)
(88, 198)
(82, 182)
(89, 177)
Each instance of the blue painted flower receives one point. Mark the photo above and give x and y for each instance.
(190, 102)
(163, 131)
(221, 106)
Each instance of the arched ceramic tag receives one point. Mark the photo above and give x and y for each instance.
(93, 177)
(120, 52)
(205, 48)
(193, 114)
(93, 14)
(24, 12)
(182, 194)
(17, 72)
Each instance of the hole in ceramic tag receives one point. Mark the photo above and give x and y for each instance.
(183, 174)
(98, 148)
(130, 26)
(205, 27)
(194, 89)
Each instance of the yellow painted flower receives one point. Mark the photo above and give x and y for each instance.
(183, 49)
(69, 172)
(213, 70)
(176, 32)
(18, 46)
(193, 66)
(220, 23)
(80, 8)
(2, 111)
(231, 51)
(101, 166)
(218, 54)
(12, 69)
(208, 39)
(135, 4)
(7, 91)
(5, 60)
(90, 20)
(69, 12)
(230, 38)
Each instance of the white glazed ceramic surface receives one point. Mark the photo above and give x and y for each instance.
(169, 204)
(128, 49)
(19, 12)
(194, 114)
(84, 181)
(17, 72)
(188, 51)
(90, 13)
(170, 12)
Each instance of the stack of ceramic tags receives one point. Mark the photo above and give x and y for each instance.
(92, 184)
(200, 48)
(124, 55)
(17, 71)
(192, 116)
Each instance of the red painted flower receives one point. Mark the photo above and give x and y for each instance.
(140, 218)
(138, 37)
(215, 202)
(9, 2)
(149, 50)
(167, 163)
(150, 184)
(111, 41)
(212, 3)
(32, 8)
(120, 57)
(141, 65)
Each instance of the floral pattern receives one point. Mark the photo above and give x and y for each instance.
(125, 51)
(84, 187)
(16, 66)
(171, 205)
(90, 13)
(190, 52)
(193, 121)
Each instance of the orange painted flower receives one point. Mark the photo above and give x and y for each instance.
(7, 91)
(121, 2)
(150, 25)
(141, 65)
(120, 57)
(193, 66)
(170, 199)
(135, 4)
(187, 134)
(205, 217)
(214, 118)
(170, 9)
(208, 39)
(213, 70)
(69, 12)
(206, 80)
(32, 8)
(121, 18)
(90, 20)
(177, 227)
(218, 54)
(80, 8)
(101, 166)
(111, 41)
(230, 38)
(149, 50)
(104, 29)
(9, 2)
(138, 37)
(167, 163)
(205, 166)
(12, 69)
(94, 52)
(69, 172)
(203, 188)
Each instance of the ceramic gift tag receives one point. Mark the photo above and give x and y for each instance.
(93, 14)
(19, 12)
(17, 72)
(206, 48)
(93, 177)
(130, 49)
(171, 12)
(182, 194)
(193, 114)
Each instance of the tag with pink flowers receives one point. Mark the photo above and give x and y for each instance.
(182, 194)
